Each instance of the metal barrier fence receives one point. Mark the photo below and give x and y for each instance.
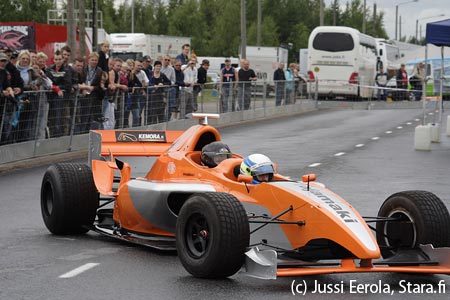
(38, 115)
(345, 91)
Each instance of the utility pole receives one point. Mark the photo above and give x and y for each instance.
(243, 30)
(82, 26)
(364, 18)
(132, 16)
(334, 12)
(321, 12)
(396, 22)
(71, 26)
(400, 27)
(374, 19)
(94, 26)
(258, 28)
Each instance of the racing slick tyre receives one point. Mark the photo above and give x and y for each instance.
(69, 198)
(212, 235)
(422, 219)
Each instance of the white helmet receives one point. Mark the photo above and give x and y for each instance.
(257, 164)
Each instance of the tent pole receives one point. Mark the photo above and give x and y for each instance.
(424, 88)
(441, 107)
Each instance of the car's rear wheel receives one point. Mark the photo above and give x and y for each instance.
(69, 199)
(420, 218)
(212, 235)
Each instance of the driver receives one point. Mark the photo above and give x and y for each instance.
(214, 153)
(259, 166)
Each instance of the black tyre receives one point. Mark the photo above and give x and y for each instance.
(212, 235)
(422, 219)
(69, 199)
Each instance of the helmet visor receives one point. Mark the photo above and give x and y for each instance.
(218, 157)
(264, 169)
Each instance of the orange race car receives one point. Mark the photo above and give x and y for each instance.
(219, 222)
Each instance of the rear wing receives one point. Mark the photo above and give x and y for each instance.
(103, 143)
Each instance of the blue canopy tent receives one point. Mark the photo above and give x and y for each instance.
(438, 34)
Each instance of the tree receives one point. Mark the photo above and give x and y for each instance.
(25, 10)
(269, 33)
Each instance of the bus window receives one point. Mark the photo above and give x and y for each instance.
(333, 42)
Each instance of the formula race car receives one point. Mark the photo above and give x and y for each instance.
(219, 222)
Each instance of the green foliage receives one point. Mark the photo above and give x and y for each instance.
(214, 25)
(25, 10)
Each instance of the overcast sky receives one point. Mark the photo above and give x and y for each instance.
(410, 12)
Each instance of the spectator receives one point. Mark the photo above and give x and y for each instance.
(402, 81)
(133, 97)
(279, 79)
(32, 57)
(159, 82)
(169, 71)
(147, 66)
(183, 57)
(62, 85)
(114, 90)
(245, 76)
(43, 83)
(381, 80)
(417, 80)
(66, 54)
(70, 95)
(190, 80)
(144, 79)
(91, 100)
(202, 78)
(28, 104)
(227, 78)
(15, 80)
(103, 56)
(7, 100)
(289, 74)
(179, 82)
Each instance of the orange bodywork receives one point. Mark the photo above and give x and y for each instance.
(325, 214)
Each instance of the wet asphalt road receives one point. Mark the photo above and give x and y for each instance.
(31, 260)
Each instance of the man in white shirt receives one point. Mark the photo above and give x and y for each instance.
(190, 79)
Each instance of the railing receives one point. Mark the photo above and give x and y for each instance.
(39, 115)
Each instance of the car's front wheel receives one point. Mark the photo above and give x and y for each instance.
(415, 217)
(212, 235)
(69, 199)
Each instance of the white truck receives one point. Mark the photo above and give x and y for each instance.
(264, 60)
(137, 45)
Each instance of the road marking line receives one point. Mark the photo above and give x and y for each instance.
(79, 270)
(388, 132)
(314, 165)
(431, 114)
(399, 127)
(339, 154)
(359, 145)
(375, 138)
(408, 123)
(417, 120)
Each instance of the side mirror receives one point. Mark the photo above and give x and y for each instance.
(245, 178)
(309, 177)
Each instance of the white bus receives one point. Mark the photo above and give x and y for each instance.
(343, 60)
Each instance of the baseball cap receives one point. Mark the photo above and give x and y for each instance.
(3, 56)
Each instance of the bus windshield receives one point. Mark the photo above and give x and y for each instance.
(333, 42)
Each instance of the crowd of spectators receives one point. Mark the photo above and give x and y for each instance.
(73, 95)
